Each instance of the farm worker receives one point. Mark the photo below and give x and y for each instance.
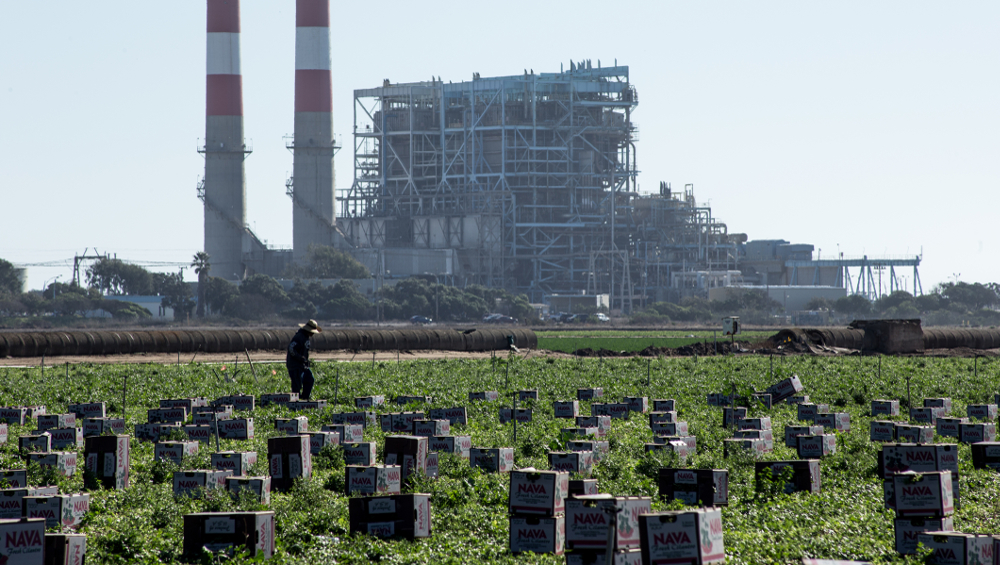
(297, 359)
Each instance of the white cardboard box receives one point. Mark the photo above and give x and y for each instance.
(538, 535)
(538, 492)
(691, 536)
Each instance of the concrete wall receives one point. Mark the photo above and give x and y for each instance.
(791, 297)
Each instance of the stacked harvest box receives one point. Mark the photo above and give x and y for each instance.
(669, 433)
(537, 505)
(919, 485)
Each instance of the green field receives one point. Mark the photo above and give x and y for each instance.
(143, 524)
(569, 341)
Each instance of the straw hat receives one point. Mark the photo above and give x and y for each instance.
(311, 326)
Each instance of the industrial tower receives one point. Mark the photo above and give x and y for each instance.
(312, 184)
(223, 190)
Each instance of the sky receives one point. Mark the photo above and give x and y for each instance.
(859, 127)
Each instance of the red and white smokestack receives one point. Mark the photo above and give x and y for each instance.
(225, 179)
(312, 171)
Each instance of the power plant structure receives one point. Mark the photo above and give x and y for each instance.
(525, 182)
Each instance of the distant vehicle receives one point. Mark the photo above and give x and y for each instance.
(602, 317)
(490, 317)
(420, 320)
(499, 319)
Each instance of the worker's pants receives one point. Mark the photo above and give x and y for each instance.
(302, 380)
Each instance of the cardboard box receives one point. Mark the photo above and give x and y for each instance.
(319, 440)
(755, 447)
(14, 415)
(107, 459)
(289, 458)
(349, 433)
(885, 408)
(834, 421)
(599, 448)
(282, 398)
(224, 411)
(926, 415)
(785, 388)
(918, 458)
(938, 403)
(664, 405)
(523, 395)
(174, 451)
(923, 494)
(792, 433)
(690, 441)
(374, 479)
(363, 419)
(300, 405)
(52, 421)
(617, 410)
(457, 415)
(731, 415)
(807, 411)
(763, 398)
(459, 445)
(65, 549)
(239, 462)
(401, 422)
(914, 434)
(566, 408)
(359, 453)
(882, 430)
(62, 462)
(538, 534)
(581, 433)
(12, 500)
(973, 433)
(582, 486)
(948, 427)
(981, 411)
(907, 530)
(589, 393)
(589, 521)
(188, 404)
(14, 478)
(259, 486)
(58, 510)
(753, 424)
(204, 434)
(406, 516)
(88, 410)
(99, 426)
(767, 436)
(209, 418)
(637, 404)
(702, 487)
(667, 417)
(986, 455)
(292, 426)
(167, 415)
(22, 541)
(224, 532)
(720, 399)
(602, 423)
(66, 438)
(409, 452)
(541, 493)
(149, 432)
(956, 548)
(492, 460)
(4, 433)
(432, 428)
(522, 415)
(236, 428)
(679, 447)
(817, 446)
(805, 474)
(689, 536)
(192, 483)
(484, 395)
(369, 401)
(243, 402)
(578, 462)
(403, 400)
(34, 443)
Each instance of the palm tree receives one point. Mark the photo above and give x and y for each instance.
(201, 267)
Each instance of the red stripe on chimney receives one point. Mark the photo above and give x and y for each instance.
(224, 95)
(224, 15)
(312, 13)
(313, 91)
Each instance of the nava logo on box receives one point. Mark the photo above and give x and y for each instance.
(919, 456)
(81, 506)
(361, 481)
(532, 534)
(188, 484)
(532, 489)
(917, 491)
(23, 539)
(671, 538)
(589, 519)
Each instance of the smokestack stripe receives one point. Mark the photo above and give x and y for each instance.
(312, 56)
(312, 13)
(224, 83)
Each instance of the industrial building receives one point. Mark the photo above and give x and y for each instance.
(525, 182)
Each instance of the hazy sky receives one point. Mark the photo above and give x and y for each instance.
(868, 126)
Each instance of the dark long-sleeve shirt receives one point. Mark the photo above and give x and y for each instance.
(298, 351)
